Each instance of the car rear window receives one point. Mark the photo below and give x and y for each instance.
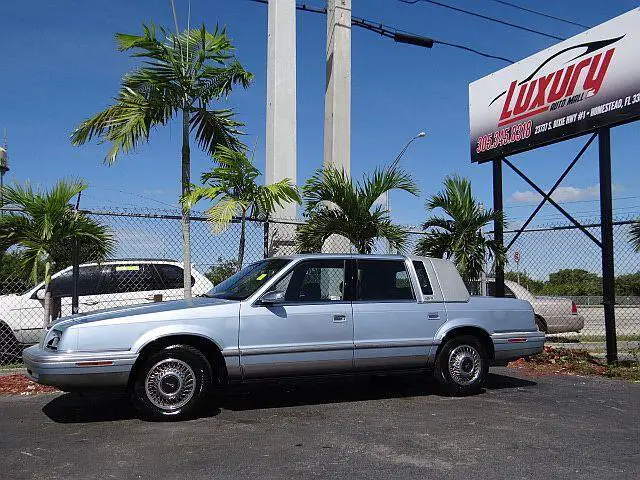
(423, 278)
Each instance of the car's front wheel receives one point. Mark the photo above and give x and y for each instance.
(171, 383)
(462, 365)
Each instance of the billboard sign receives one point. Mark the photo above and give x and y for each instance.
(589, 81)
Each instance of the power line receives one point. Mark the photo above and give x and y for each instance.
(485, 17)
(398, 35)
(542, 14)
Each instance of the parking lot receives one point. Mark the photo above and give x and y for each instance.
(384, 427)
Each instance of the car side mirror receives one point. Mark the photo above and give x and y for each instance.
(40, 294)
(272, 298)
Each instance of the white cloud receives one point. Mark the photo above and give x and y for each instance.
(562, 194)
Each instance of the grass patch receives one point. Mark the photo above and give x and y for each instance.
(601, 338)
(11, 366)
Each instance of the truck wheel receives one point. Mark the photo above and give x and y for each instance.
(171, 383)
(462, 365)
(10, 348)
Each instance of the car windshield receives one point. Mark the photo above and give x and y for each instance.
(245, 282)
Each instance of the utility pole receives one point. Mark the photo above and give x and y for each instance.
(337, 99)
(281, 97)
(4, 168)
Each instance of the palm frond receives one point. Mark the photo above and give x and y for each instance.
(215, 128)
(635, 236)
(385, 179)
(222, 212)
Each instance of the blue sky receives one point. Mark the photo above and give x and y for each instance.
(59, 65)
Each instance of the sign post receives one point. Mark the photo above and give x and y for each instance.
(585, 84)
(516, 258)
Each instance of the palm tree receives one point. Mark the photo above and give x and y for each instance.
(181, 73)
(337, 205)
(459, 237)
(44, 228)
(635, 236)
(232, 185)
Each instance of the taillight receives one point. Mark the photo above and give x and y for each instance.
(574, 308)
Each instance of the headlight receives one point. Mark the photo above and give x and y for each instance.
(53, 339)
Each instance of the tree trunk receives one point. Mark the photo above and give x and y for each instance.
(47, 306)
(186, 211)
(241, 246)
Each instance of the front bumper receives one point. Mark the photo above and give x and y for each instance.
(513, 345)
(78, 370)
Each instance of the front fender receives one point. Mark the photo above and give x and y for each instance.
(224, 345)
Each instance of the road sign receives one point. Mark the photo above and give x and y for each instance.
(516, 256)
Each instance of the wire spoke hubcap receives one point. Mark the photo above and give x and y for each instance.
(170, 384)
(464, 364)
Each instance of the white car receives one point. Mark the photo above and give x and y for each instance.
(112, 283)
(553, 314)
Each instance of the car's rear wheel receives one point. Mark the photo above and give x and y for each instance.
(171, 383)
(462, 365)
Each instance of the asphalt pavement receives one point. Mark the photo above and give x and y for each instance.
(364, 428)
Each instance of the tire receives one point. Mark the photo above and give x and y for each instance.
(172, 383)
(540, 323)
(462, 365)
(10, 348)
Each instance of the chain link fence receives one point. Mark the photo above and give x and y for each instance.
(559, 269)
(558, 272)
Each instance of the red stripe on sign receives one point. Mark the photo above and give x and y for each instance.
(100, 363)
(523, 116)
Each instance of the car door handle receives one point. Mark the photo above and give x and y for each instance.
(339, 318)
(433, 315)
(90, 302)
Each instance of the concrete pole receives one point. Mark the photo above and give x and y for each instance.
(337, 99)
(281, 97)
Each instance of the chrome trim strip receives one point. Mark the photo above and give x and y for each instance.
(324, 347)
(230, 352)
(396, 344)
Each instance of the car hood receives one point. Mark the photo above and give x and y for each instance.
(134, 310)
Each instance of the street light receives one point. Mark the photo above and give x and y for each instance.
(400, 155)
(397, 159)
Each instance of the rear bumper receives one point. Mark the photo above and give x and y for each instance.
(513, 345)
(565, 324)
(69, 371)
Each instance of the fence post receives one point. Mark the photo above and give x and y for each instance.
(606, 235)
(75, 275)
(265, 239)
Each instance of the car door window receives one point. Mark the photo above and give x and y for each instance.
(316, 281)
(133, 278)
(62, 285)
(172, 276)
(383, 280)
(88, 280)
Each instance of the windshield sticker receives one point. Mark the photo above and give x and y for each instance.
(121, 268)
(261, 277)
